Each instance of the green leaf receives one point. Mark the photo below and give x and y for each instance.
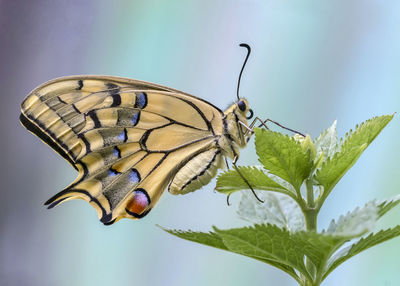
(214, 240)
(271, 242)
(230, 181)
(363, 244)
(277, 209)
(210, 238)
(334, 168)
(265, 242)
(327, 142)
(366, 132)
(283, 157)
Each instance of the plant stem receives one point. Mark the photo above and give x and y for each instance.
(310, 215)
(311, 219)
(310, 194)
(310, 212)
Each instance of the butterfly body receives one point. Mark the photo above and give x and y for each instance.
(130, 140)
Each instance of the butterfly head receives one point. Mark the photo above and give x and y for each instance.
(240, 110)
(244, 107)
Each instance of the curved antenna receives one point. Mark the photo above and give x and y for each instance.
(245, 61)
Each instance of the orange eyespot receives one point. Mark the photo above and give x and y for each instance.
(139, 202)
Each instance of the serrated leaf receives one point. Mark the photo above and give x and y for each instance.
(327, 142)
(355, 223)
(363, 244)
(334, 168)
(271, 242)
(283, 156)
(277, 209)
(214, 240)
(366, 132)
(230, 181)
(362, 220)
(210, 238)
(266, 242)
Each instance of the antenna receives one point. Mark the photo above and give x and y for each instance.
(245, 61)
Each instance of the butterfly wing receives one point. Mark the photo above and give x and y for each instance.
(126, 138)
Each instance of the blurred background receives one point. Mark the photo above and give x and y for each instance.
(312, 62)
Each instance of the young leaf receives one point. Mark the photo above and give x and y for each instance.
(230, 182)
(308, 146)
(277, 209)
(361, 245)
(355, 223)
(327, 142)
(283, 157)
(365, 220)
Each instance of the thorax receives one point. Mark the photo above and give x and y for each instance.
(232, 139)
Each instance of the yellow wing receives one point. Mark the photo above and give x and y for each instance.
(127, 139)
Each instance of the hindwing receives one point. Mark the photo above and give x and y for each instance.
(126, 138)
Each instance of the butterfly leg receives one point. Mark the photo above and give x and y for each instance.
(226, 163)
(244, 179)
(227, 166)
(249, 129)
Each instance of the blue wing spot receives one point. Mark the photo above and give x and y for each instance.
(123, 136)
(117, 152)
(135, 118)
(112, 172)
(134, 176)
(141, 100)
(143, 193)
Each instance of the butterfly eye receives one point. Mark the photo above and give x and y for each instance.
(250, 115)
(241, 105)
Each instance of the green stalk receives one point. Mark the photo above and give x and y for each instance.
(310, 214)
(311, 211)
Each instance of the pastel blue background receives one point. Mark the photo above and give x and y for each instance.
(312, 62)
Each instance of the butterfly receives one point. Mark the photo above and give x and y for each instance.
(130, 140)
